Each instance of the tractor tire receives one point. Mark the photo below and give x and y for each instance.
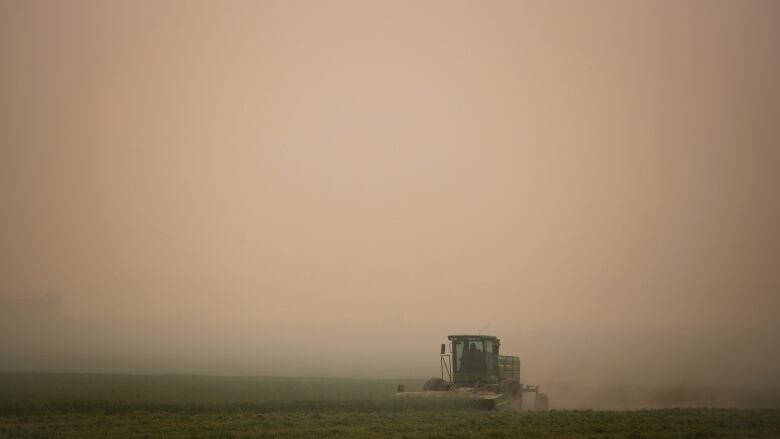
(514, 393)
(435, 384)
(541, 403)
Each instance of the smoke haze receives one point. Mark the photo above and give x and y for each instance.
(330, 188)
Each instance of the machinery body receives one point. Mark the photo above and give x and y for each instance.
(473, 368)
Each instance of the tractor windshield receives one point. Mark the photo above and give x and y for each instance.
(474, 358)
(470, 356)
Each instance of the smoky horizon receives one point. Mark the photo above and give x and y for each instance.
(331, 188)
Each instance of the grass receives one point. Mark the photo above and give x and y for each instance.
(679, 423)
(176, 406)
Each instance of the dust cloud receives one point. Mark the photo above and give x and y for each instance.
(330, 188)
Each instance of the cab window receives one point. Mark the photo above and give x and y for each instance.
(470, 356)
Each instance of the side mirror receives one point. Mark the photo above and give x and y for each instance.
(443, 349)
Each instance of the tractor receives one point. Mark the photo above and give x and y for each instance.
(472, 368)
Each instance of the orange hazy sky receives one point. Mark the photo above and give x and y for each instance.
(445, 165)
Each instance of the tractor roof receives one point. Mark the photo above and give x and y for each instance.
(486, 337)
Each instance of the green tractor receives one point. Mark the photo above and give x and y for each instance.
(474, 369)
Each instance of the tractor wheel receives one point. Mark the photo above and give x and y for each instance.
(541, 403)
(435, 384)
(514, 393)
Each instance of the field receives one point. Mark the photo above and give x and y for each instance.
(71, 406)
(684, 423)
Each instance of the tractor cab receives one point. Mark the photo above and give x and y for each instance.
(474, 358)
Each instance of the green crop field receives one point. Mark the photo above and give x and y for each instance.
(685, 423)
(75, 406)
